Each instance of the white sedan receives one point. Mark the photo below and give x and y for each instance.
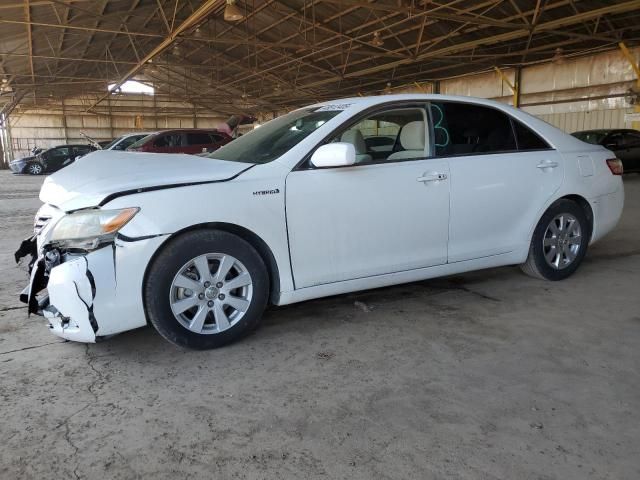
(301, 208)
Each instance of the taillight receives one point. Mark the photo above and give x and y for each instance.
(615, 165)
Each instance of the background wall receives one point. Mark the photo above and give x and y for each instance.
(574, 94)
(64, 121)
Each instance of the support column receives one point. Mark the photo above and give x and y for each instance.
(514, 88)
(64, 122)
(635, 124)
(110, 118)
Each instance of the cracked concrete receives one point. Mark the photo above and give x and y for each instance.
(487, 375)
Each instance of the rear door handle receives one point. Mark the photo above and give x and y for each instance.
(548, 164)
(432, 177)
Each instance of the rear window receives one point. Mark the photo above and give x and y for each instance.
(594, 138)
(198, 138)
(168, 140)
(528, 139)
(467, 129)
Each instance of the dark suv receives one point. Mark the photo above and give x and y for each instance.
(182, 141)
(50, 160)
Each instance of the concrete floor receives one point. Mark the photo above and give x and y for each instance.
(488, 375)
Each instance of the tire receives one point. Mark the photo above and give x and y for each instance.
(556, 253)
(224, 307)
(34, 168)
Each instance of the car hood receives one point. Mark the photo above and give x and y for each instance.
(98, 175)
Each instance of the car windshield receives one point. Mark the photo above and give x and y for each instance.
(590, 137)
(274, 138)
(112, 143)
(141, 142)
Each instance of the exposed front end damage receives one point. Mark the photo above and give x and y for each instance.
(86, 296)
(70, 312)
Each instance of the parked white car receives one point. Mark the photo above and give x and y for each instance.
(301, 209)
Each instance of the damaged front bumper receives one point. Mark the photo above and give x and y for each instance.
(90, 295)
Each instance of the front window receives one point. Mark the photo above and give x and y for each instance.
(389, 135)
(274, 138)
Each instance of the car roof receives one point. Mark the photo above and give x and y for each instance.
(189, 130)
(131, 134)
(354, 105)
(72, 145)
(609, 130)
(597, 130)
(381, 99)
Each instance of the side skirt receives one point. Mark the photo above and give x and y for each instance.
(347, 286)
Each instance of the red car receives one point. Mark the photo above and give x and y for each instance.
(182, 141)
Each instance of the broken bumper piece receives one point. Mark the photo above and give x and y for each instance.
(69, 302)
(70, 310)
(90, 296)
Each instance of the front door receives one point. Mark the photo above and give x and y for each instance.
(375, 217)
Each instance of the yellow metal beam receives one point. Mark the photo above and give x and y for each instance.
(631, 59)
(636, 68)
(512, 87)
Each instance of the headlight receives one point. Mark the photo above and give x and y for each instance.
(88, 229)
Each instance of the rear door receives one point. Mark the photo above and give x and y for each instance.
(502, 174)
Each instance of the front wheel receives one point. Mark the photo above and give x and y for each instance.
(559, 242)
(34, 168)
(206, 289)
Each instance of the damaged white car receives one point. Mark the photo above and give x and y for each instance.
(332, 198)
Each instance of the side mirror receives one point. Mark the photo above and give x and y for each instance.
(338, 154)
(611, 145)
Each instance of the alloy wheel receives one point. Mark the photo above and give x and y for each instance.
(211, 293)
(35, 169)
(562, 241)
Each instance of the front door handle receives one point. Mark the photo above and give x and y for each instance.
(432, 177)
(548, 164)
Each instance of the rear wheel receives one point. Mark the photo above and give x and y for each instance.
(206, 289)
(34, 168)
(559, 242)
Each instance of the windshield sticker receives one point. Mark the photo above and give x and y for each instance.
(333, 107)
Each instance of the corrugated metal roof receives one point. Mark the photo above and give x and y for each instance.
(285, 53)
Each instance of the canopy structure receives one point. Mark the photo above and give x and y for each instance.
(278, 54)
